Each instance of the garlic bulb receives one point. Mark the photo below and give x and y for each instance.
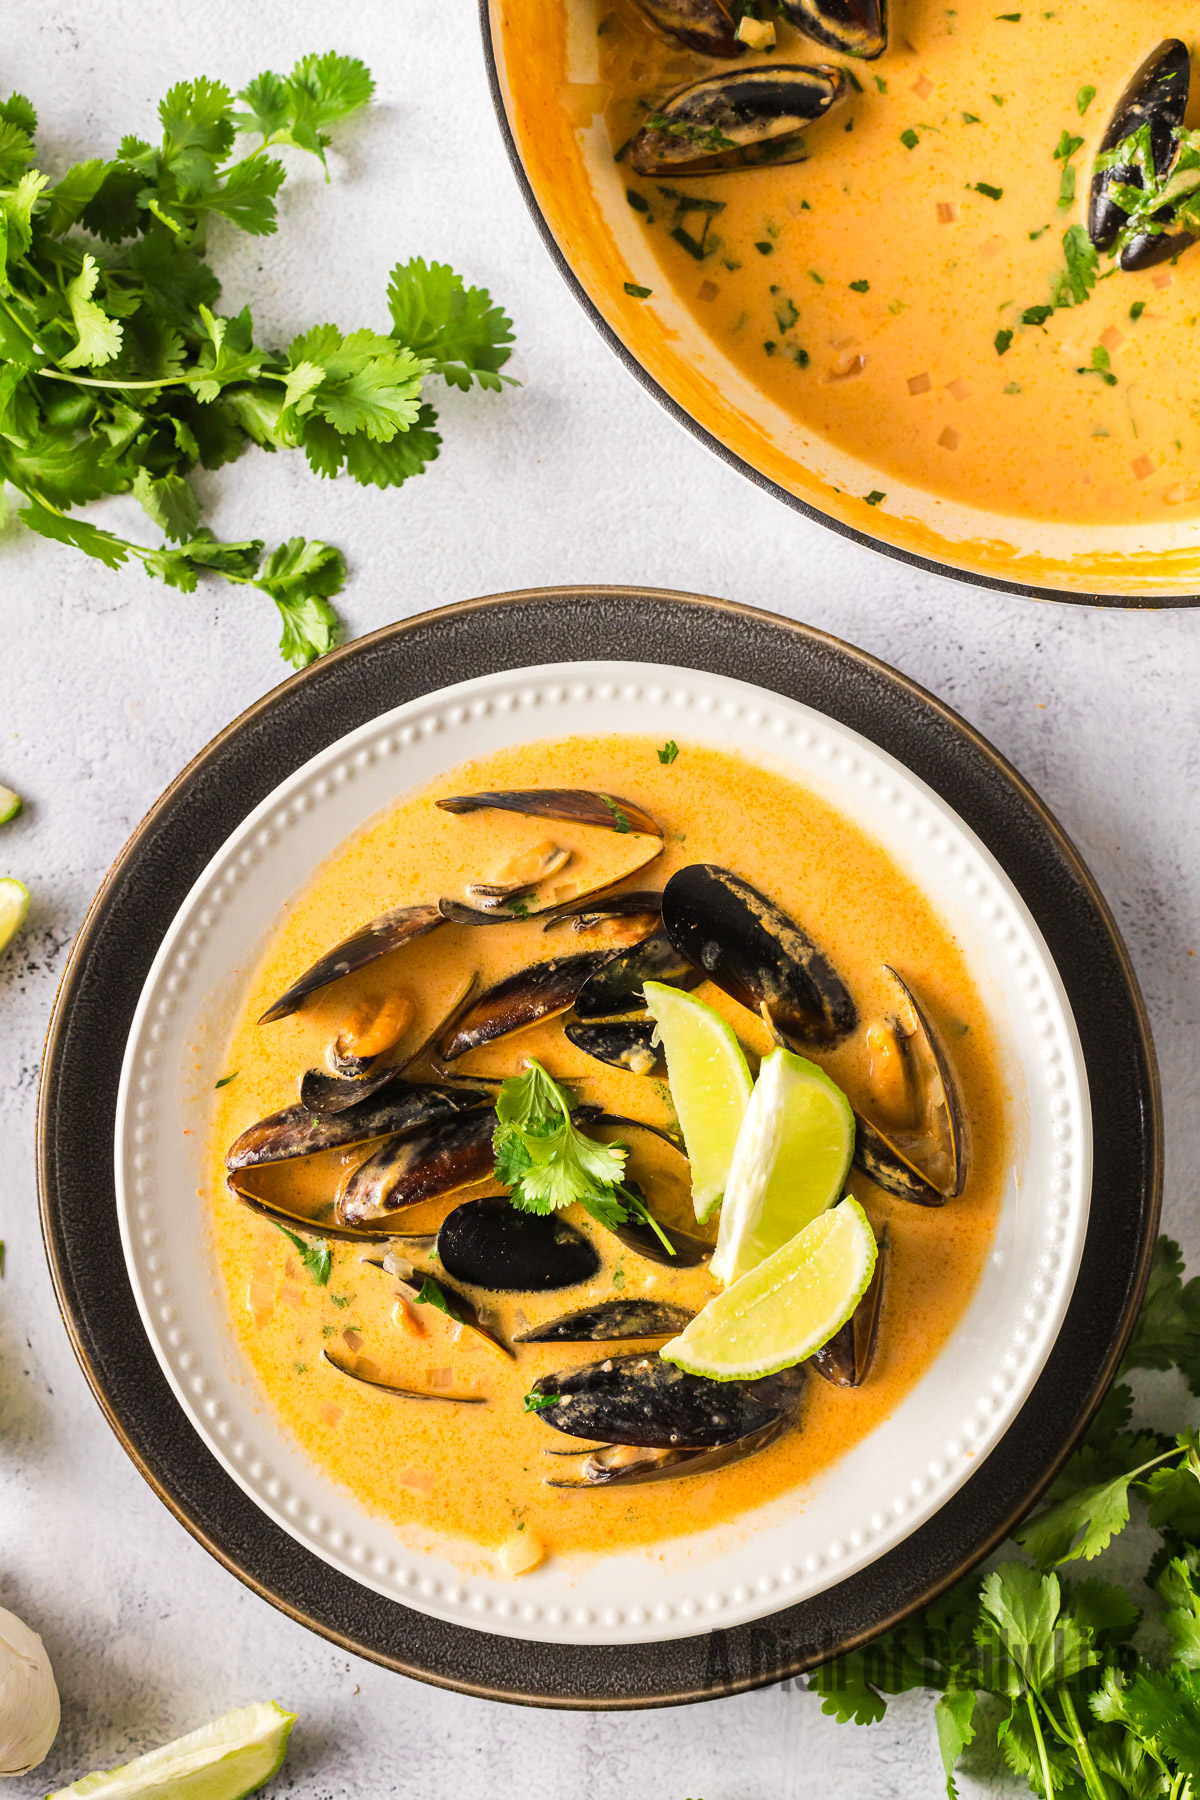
(29, 1709)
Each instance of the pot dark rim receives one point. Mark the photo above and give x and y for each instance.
(151, 876)
(931, 565)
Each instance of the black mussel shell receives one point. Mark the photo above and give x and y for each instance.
(611, 1319)
(575, 805)
(295, 1131)
(752, 949)
(623, 1044)
(879, 1160)
(708, 26)
(326, 1094)
(686, 1252)
(927, 1163)
(489, 1244)
(399, 1393)
(449, 1154)
(617, 987)
(629, 1465)
(421, 1287)
(595, 909)
(537, 992)
(378, 938)
(854, 27)
(846, 1359)
(1157, 96)
(737, 120)
(643, 1400)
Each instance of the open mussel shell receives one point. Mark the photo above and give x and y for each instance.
(611, 1319)
(740, 119)
(686, 1252)
(489, 1244)
(576, 806)
(537, 992)
(327, 1094)
(1156, 97)
(755, 952)
(708, 26)
(617, 986)
(295, 1131)
(643, 1400)
(629, 1464)
(926, 1162)
(378, 938)
(421, 1287)
(244, 1186)
(622, 1043)
(846, 1359)
(854, 27)
(399, 1393)
(595, 909)
(450, 1153)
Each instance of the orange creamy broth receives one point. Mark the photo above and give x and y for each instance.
(470, 1478)
(905, 374)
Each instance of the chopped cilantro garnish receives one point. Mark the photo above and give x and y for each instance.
(763, 247)
(909, 139)
(1066, 147)
(786, 314)
(861, 287)
(1084, 98)
(1003, 342)
(992, 193)
(638, 201)
(1010, 18)
(997, 99)
(819, 279)
(1014, 387)
(637, 293)
(770, 346)
(432, 1293)
(1036, 315)
(620, 823)
(881, 84)
(704, 137)
(874, 497)
(971, 119)
(669, 751)
(536, 1403)
(1101, 365)
(1136, 310)
(316, 1256)
(226, 1079)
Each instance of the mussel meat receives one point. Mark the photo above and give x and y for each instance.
(521, 875)
(628, 1463)
(489, 1244)
(617, 986)
(377, 938)
(708, 26)
(1150, 113)
(853, 27)
(448, 1154)
(537, 992)
(847, 1357)
(576, 806)
(756, 953)
(595, 910)
(736, 120)
(297, 1131)
(611, 1319)
(399, 1393)
(921, 1152)
(622, 1043)
(645, 1401)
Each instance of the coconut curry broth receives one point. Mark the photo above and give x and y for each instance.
(863, 289)
(475, 1473)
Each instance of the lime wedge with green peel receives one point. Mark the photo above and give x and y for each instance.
(710, 1086)
(222, 1761)
(786, 1308)
(10, 804)
(14, 905)
(789, 1164)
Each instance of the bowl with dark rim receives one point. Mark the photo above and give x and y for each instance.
(143, 894)
(574, 191)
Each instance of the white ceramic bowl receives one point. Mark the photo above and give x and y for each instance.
(880, 1491)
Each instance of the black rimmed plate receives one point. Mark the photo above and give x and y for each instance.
(144, 890)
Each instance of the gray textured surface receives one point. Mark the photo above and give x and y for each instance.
(111, 683)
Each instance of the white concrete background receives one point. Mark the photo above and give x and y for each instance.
(110, 683)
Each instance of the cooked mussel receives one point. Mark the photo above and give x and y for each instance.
(681, 1251)
(521, 874)
(752, 949)
(327, 1094)
(622, 1043)
(245, 1185)
(853, 27)
(576, 806)
(595, 909)
(846, 1359)
(645, 1401)
(611, 1319)
(399, 1393)
(919, 1151)
(739, 119)
(1150, 113)
(297, 1131)
(537, 992)
(709, 26)
(450, 1153)
(628, 1463)
(377, 938)
(489, 1244)
(616, 987)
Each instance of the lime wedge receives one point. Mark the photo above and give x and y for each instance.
(710, 1085)
(789, 1163)
(222, 1761)
(14, 904)
(787, 1307)
(10, 804)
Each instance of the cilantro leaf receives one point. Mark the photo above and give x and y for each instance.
(954, 1717)
(457, 329)
(545, 1161)
(301, 576)
(315, 1255)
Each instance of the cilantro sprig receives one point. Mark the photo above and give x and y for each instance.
(119, 376)
(1154, 203)
(316, 1255)
(1079, 1694)
(547, 1162)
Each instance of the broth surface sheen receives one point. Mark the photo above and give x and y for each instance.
(467, 1479)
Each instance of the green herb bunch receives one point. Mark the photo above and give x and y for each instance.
(119, 376)
(1166, 202)
(1086, 1690)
